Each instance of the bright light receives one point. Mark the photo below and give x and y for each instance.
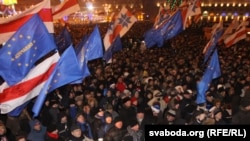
(89, 6)
(248, 32)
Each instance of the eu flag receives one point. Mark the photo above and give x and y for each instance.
(81, 43)
(166, 30)
(115, 47)
(92, 49)
(94, 45)
(20, 53)
(63, 40)
(66, 71)
(212, 71)
(211, 45)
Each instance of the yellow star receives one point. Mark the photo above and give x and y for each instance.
(9, 45)
(21, 36)
(13, 39)
(9, 53)
(19, 64)
(28, 37)
(35, 48)
(26, 65)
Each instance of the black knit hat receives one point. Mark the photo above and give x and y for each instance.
(132, 123)
(124, 100)
(117, 119)
(74, 127)
(107, 114)
(51, 128)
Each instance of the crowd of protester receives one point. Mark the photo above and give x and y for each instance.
(142, 86)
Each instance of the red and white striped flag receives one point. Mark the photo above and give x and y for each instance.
(230, 29)
(193, 9)
(239, 34)
(11, 24)
(122, 23)
(14, 96)
(65, 8)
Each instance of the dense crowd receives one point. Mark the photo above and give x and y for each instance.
(142, 86)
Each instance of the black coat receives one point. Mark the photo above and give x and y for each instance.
(114, 134)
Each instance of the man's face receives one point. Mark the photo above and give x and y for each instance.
(76, 133)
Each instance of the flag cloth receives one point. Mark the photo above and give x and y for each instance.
(13, 96)
(238, 35)
(230, 29)
(121, 25)
(81, 43)
(18, 110)
(212, 71)
(63, 40)
(92, 49)
(194, 8)
(164, 13)
(66, 70)
(30, 43)
(65, 8)
(165, 31)
(217, 32)
(94, 45)
(11, 24)
(115, 47)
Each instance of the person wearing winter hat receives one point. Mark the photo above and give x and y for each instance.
(115, 133)
(133, 132)
(63, 125)
(106, 126)
(98, 121)
(52, 133)
(76, 133)
(154, 114)
(127, 112)
(37, 132)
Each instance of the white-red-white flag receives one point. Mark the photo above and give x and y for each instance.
(230, 29)
(14, 96)
(11, 24)
(65, 8)
(238, 35)
(193, 9)
(121, 25)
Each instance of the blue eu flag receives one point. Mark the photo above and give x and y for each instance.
(20, 53)
(63, 40)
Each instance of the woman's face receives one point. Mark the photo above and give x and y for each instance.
(2, 130)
